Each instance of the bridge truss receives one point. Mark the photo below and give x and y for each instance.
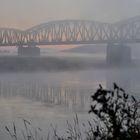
(73, 32)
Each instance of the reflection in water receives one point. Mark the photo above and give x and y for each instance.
(70, 90)
(69, 95)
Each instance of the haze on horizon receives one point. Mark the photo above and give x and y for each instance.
(27, 13)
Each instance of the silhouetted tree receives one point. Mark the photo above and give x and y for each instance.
(117, 114)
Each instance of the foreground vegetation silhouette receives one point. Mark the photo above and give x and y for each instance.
(115, 117)
(117, 113)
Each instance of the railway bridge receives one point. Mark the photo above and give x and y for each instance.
(65, 32)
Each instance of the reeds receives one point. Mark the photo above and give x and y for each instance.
(73, 131)
(28, 132)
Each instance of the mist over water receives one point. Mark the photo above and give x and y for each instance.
(54, 86)
(54, 97)
(62, 90)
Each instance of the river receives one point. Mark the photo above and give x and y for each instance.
(46, 98)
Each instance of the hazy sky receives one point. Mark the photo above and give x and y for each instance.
(26, 13)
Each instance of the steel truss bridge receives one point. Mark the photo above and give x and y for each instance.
(73, 32)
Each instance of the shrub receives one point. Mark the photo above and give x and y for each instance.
(118, 114)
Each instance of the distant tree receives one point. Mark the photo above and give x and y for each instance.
(117, 113)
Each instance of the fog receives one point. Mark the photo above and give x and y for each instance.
(27, 13)
(54, 83)
(55, 86)
(52, 88)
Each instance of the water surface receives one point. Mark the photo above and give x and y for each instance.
(54, 97)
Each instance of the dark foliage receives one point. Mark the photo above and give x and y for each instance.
(117, 113)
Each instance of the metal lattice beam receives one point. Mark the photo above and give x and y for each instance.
(73, 32)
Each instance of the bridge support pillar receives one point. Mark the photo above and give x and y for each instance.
(118, 54)
(28, 51)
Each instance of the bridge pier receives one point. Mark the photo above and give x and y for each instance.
(118, 54)
(28, 51)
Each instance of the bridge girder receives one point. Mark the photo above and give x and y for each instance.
(73, 32)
